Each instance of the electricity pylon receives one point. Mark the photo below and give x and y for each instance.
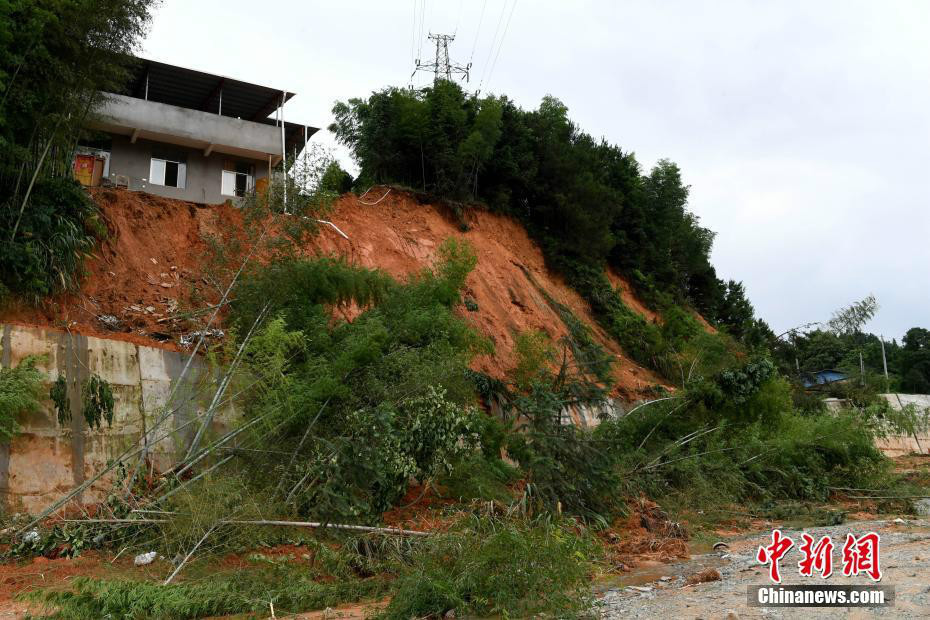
(442, 67)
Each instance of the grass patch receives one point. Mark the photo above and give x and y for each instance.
(292, 588)
(500, 568)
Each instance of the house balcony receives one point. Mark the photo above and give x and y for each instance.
(171, 124)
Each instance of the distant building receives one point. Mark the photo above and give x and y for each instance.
(187, 134)
(822, 378)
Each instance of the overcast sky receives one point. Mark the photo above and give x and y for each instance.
(803, 128)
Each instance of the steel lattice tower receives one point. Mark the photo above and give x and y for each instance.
(442, 67)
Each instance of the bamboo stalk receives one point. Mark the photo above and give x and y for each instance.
(211, 411)
(188, 556)
(272, 523)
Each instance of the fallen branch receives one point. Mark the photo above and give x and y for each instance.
(889, 497)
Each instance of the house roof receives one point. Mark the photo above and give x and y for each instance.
(823, 377)
(198, 90)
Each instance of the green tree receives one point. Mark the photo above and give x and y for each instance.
(57, 59)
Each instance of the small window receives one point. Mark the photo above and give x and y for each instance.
(238, 178)
(168, 173)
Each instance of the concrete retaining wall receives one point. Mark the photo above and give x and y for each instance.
(907, 444)
(897, 445)
(47, 459)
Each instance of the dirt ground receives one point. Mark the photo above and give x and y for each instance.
(905, 561)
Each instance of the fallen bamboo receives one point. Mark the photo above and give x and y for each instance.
(335, 526)
(273, 523)
(188, 556)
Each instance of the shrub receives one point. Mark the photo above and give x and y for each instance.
(496, 567)
(56, 234)
(20, 392)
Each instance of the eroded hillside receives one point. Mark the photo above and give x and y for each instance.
(150, 275)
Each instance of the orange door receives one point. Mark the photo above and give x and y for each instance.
(84, 169)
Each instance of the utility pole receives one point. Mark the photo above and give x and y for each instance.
(442, 67)
(884, 363)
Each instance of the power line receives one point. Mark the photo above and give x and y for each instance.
(422, 23)
(413, 34)
(458, 19)
(487, 61)
(501, 44)
(474, 45)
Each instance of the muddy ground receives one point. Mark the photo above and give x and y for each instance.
(905, 562)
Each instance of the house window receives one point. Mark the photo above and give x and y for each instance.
(169, 170)
(238, 178)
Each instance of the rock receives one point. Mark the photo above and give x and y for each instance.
(731, 615)
(922, 507)
(640, 588)
(705, 576)
(188, 339)
(449, 614)
(145, 558)
(165, 284)
(110, 322)
(666, 578)
(900, 521)
(31, 537)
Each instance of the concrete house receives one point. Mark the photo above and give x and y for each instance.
(186, 134)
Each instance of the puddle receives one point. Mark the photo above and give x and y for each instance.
(651, 574)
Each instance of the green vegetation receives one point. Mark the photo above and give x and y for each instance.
(54, 235)
(56, 59)
(340, 418)
(586, 201)
(20, 392)
(491, 567)
(289, 588)
(364, 405)
(840, 343)
(97, 401)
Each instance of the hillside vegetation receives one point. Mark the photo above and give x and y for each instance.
(586, 201)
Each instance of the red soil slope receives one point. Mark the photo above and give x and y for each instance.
(152, 267)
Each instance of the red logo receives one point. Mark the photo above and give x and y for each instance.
(860, 555)
(816, 557)
(774, 552)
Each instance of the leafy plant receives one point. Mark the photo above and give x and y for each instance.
(20, 392)
(59, 395)
(97, 402)
(497, 567)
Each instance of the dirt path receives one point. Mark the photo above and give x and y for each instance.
(905, 562)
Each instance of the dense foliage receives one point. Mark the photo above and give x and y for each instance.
(586, 201)
(20, 392)
(57, 57)
(363, 406)
(842, 344)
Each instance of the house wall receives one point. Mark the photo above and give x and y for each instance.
(204, 174)
(46, 459)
